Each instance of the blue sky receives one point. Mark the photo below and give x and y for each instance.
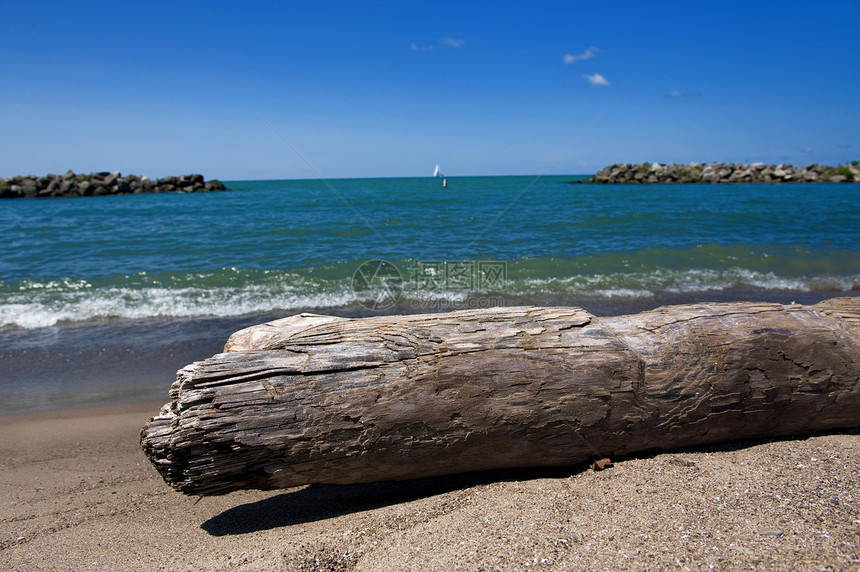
(391, 89)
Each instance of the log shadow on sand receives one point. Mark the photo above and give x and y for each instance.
(321, 502)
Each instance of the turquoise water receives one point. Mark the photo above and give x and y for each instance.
(284, 246)
(102, 299)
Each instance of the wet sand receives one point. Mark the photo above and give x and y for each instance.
(78, 494)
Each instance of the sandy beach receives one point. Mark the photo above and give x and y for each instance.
(78, 494)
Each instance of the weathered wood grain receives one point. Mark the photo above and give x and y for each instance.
(318, 399)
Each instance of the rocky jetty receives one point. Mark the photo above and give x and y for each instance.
(725, 173)
(99, 184)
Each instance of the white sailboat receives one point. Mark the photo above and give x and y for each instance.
(437, 172)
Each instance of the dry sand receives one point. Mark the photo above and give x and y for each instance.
(77, 494)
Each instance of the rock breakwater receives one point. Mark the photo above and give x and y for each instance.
(724, 173)
(99, 184)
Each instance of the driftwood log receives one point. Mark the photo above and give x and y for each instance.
(318, 399)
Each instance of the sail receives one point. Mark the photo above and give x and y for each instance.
(437, 172)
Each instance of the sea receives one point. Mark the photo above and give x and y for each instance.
(102, 299)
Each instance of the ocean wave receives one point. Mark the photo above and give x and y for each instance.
(643, 284)
(231, 292)
(38, 305)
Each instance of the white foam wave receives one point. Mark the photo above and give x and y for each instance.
(127, 303)
(38, 305)
(639, 285)
(624, 293)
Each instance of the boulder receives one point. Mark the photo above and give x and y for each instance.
(740, 176)
(190, 180)
(30, 187)
(68, 187)
(8, 190)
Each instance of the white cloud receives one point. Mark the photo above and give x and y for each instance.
(676, 94)
(589, 53)
(596, 79)
(446, 42)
